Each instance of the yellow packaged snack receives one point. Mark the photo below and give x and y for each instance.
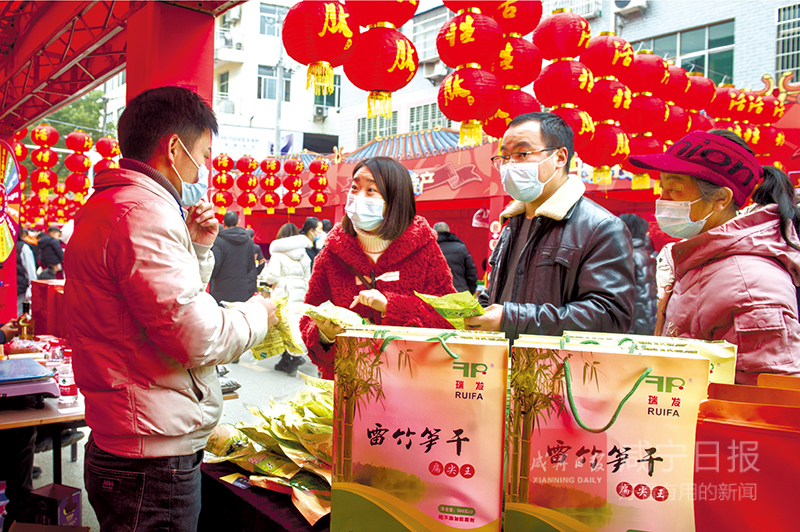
(285, 335)
(454, 307)
(340, 316)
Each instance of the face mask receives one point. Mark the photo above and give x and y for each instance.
(365, 213)
(317, 237)
(673, 218)
(191, 193)
(521, 180)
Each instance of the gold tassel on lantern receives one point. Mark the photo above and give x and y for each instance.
(471, 133)
(602, 175)
(657, 189)
(320, 75)
(640, 182)
(379, 103)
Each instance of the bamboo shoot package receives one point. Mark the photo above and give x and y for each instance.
(601, 438)
(418, 430)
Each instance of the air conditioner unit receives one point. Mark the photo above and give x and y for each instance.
(626, 7)
(239, 46)
(434, 71)
(232, 15)
(320, 113)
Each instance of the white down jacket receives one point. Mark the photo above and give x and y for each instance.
(289, 267)
(145, 334)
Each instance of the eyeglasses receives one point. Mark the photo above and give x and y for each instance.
(519, 157)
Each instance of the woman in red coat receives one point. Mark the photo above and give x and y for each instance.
(375, 259)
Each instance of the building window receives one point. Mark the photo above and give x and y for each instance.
(379, 126)
(223, 84)
(267, 83)
(584, 8)
(708, 50)
(427, 116)
(271, 19)
(788, 53)
(332, 99)
(425, 28)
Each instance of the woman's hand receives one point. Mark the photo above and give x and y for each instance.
(372, 299)
(328, 328)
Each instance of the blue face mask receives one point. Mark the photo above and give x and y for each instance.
(365, 213)
(673, 218)
(317, 237)
(191, 193)
(521, 180)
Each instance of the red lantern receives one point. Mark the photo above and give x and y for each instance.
(293, 183)
(79, 184)
(677, 125)
(41, 180)
(512, 104)
(610, 100)
(246, 164)
(518, 63)
(773, 109)
(222, 199)
(772, 139)
(108, 147)
(701, 93)
(21, 134)
(293, 167)
(270, 166)
(291, 199)
(20, 150)
(318, 166)
(751, 135)
(247, 182)
(644, 144)
(77, 162)
(581, 123)
(384, 61)
(270, 200)
(23, 174)
(563, 82)
(247, 200)
(755, 108)
(477, 6)
(647, 114)
(44, 157)
(270, 182)
(319, 34)
(677, 88)
(609, 146)
(648, 74)
(223, 163)
(700, 121)
(563, 34)
(318, 199)
(608, 55)
(727, 102)
(78, 141)
(44, 135)
(469, 38)
(222, 181)
(367, 13)
(518, 18)
(105, 164)
(469, 96)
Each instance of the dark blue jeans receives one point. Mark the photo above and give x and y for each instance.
(130, 494)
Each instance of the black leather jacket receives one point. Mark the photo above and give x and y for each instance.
(644, 316)
(574, 274)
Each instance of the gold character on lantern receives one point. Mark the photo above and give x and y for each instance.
(506, 58)
(586, 33)
(779, 110)
(87, 142)
(502, 115)
(780, 138)
(619, 99)
(467, 29)
(666, 113)
(323, 181)
(41, 134)
(739, 101)
(18, 150)
(334, 25)
(586, 80)
(756, 104)
(453, 90)
(626, 54)
(253, 182)
(623, 145)
(509, 10)
(587, 125)
(404, 60)
(222, 178)
(43, 156)
(320, 197)
(271, 165)
(269, 199)
(665, 79)
(219, 197)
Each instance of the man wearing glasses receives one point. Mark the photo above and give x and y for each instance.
(562, 261)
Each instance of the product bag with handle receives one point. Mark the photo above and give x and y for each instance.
(418, 430)
(600, 437)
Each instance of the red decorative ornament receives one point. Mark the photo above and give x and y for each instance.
(318, 183)
(469, 38)
(291, 199)
(701, 93)
(270, 166)
(108, 147)
(270, 200)
(293, 182)
(247, 182)
(564, 82)
(270, 182)
(610, 100)
(293, 167)
(513, 102)
(44, 157)
(644, 144)
(773, 109)
(105, 164)
(367, 13)
(700, 121)
(755, 112)
(677, 125)
(648, 74)
(23, 174)
(518, 63)
(320, 35)
(20, 150)
(21, 134)
(78, 184)
(222, 181)
(647, 114)
(751, 135)
(608, 55)
(247, 200)
(44, 135)
(318, 199)
(727, 102)
(223, 163)
(581, 123)
(222, 199)
(469, 95)
(609, 146)
(384, 61)
(563, 34)
(78, 141)
(77, 162)
(772, 140)
(246, 164)
(318, 167)
(43, 179)
(677, 88)
(516, 18)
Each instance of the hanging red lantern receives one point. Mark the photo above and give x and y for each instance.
(676, 89)
(644, 144)
(647, 114)
(247, 182)
(469, 95)
(105, 164)
(319, 34)
(270, 200)
(247, 200)
(518, 63)
(21, 134)
(648, 74)
(291, 199)
(367, 13)
(701, 92)
(23, 174)
(78, 141)
(773, 109)
(384, 61)
(222, 199)
(608, 55)
(563, 82)
(270, 166)
(293, 167)
(77, 162)
(44, 157)
(44, 135)
(610, 100)
(772, 140)
(318, 167)
(318, 199)
(222, 181)
(318, 183)
(270, 182)
(246, 164)
(563, 34)
(469, 38)
(518, 18)
(727, 102)
(20, 150)
(755, 108)
(108, 148)
(223, 163)
(609, 146)
(677, 125)
(79, 184)
(43, 179)
(581, 123)
(700, 121)
(293, 183)
(512, 104)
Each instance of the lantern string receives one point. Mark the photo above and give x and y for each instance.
(320, 76)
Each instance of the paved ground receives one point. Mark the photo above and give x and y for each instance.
(259, 381)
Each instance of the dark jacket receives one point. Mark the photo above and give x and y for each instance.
(252, 275)
(575, 274)
(50, 252)
(22, 276)
(644, 266)
(233, 261)
(465, 276)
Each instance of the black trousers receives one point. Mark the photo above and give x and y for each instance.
(16, 468)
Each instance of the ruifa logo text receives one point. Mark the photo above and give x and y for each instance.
(665, 384)
(470, 369)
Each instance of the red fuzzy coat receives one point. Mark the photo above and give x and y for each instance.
(415, 255)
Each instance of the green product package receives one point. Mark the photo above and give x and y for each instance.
(454, 307)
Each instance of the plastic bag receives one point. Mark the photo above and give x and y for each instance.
(454, 307)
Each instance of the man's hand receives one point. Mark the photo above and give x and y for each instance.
(10, 329)
(203, 226)
(329, 329)
(371, 298)
(488, 322)
(272, 310)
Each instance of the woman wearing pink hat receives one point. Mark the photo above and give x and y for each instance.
(736, 272)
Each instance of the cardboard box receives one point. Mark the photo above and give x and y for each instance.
(27, 527)
(55, 504)
(44, 305)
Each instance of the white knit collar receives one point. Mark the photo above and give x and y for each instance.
(370, 243)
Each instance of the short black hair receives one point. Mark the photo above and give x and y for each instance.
(637, 225)
(251, 232)
(310, 224)
(53, 229)
(326, 225)
(231, 219)
(394, 184)
(160, 112)
(556, 133)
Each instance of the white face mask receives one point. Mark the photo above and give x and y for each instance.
(191, 193)
(365, 213)
(674, 218)
(521, 180)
